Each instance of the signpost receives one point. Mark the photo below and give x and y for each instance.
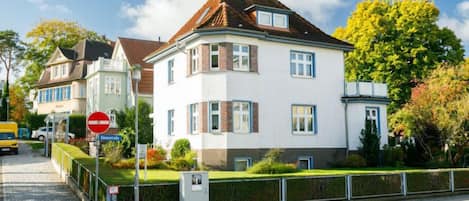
(142, 153)
(98, 123)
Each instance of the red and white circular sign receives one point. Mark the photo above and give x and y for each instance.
(98, 122)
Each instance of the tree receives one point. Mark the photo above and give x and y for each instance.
(370, 143)
(437, 114)
(11, 51)
(45, 38)
(18, 108)
(398, 43)
(126, 119)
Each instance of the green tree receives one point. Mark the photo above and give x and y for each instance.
(45, 37)
(399, 43)
(437, 114)
(370, 143)
(126, 119)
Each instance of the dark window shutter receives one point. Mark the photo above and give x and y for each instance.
(254, 67)
(255, 117)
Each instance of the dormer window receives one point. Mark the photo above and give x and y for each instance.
(59, 71)
(269, 16)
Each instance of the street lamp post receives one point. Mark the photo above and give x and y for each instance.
(8, 107)
(136, 76)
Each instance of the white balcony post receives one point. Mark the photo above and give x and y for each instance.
(451, 181)
(404, 184)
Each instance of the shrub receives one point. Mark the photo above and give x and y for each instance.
(128, 142)
(34, 120)
(180, 148)
(183, 163)
(270, 164)
(354, 161)
(156, 154)
(130, 164)
(393, 156)
(370, 143)
(77, 125)
(81, 143)
(113, 151)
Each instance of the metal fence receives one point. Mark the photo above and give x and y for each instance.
(345, 187)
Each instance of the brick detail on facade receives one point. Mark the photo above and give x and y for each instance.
(255, 117)
(226, 56)
(203, 117)
(226, 117)
(254, 67)
(204, 60)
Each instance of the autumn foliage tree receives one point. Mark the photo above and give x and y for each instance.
(399, 43)
(437, 115)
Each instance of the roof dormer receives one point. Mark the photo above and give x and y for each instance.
(270, 17)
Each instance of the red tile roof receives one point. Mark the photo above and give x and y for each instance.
(135, 50)
(232, 14)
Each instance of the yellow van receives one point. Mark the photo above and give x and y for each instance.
(8, 137)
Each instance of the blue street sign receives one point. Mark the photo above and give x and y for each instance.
(109, 137)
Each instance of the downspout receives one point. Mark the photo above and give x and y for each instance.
(346, 129)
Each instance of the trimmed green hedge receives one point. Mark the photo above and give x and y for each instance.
(159, 192)
(264, 190)
(315, 188)
(365, 185)
(461, 179)
(78, 125)
(427, 181)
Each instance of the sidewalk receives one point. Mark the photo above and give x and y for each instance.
(30, 176)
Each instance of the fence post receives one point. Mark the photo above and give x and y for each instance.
(283, 189)
(348, 182)
(78, 175)
(89, 185)
(62, 165)
(404, 184)
(451, 181)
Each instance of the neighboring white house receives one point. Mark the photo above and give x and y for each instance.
(242, 77)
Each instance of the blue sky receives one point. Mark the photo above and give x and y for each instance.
(150, 19)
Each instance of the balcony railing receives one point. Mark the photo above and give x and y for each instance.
(368, 89)
(103, 64)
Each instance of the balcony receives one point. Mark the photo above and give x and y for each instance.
(366, 89)
(109, 65)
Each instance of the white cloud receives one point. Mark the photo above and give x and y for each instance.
(163, 18)
(44, 6)
(460, 24)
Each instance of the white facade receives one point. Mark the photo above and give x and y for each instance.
(272, 87)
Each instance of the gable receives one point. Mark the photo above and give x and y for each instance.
(57, 57)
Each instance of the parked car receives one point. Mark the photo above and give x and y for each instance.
(41, 133)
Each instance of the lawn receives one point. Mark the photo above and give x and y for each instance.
(125, 176)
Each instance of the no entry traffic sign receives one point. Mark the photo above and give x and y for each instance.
(98, 122)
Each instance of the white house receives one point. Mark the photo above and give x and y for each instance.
(242, 77)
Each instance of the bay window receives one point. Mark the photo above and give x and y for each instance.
(241, 57)
(214, 116)
(241, 117)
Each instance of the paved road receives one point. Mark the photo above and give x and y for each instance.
(29, 176)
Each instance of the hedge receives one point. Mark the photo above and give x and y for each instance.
(365, 185)
(157, 192)
(315, 188)
(427, 181)
(248, 190)
(77, 125)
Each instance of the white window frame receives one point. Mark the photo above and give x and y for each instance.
(240, 54)
(195, 54)
(195, 117)
(306, 117)
(284, 19)
(264, 14)
(214, 53)
(171, 122)
(310, 160)
(370, 117)
(213, 113)
(248, 161)
(112, 118)
(171, 71)
(304, 64)
(241, 114)
(112, 85)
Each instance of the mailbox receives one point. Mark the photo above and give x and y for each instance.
(194, 186)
